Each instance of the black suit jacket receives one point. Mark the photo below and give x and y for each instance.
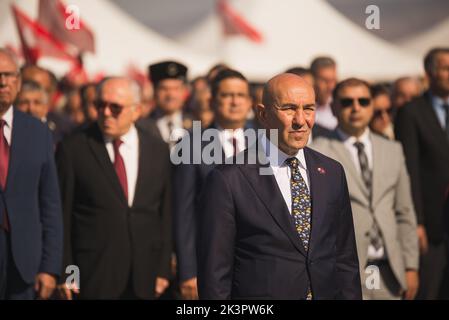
(249, 247)
(103, 236)
(426, 149)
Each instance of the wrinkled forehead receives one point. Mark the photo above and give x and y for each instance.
(294, 94)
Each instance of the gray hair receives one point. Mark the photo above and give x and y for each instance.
(133, 86)
(11, 56)
(31, 86)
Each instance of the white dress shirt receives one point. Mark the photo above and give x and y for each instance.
(349, 141)
(162, 124)
(226, 136)
(282, 171)
(129, 151)
(7, 129)
(325, 117)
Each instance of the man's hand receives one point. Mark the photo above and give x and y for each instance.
(66, 293)
(412, 279)
(44, 285)
(422, 238)
(161, 286)
(189, 289)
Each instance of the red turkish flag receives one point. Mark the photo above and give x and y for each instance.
(235, 24)
(36, 40)
(66, 25)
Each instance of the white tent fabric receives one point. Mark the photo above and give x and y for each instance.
(437, 36)
(294, 33)
(120, 40)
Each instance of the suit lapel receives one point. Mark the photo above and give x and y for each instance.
(19, 141)
(350, 169)
(378, 167)
(97, 145)
(317, 179)
(145, 163)
(432, 123)
(270, 195)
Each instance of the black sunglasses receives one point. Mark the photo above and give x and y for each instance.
(115, 108)
(347, 102)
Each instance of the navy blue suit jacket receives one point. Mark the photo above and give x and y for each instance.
(32, 199)
(188, 182)
(249, 247)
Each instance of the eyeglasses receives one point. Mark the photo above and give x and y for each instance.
(115, 108)
(347, 102)
(8, 75)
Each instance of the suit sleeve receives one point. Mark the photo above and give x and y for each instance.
(407, 133)
(405, 217)
(185, 220)
(166, 221)
(347, 260)
(66, 183)
(216, 241)
(50, 213)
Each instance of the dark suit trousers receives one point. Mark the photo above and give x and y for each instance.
(12, 287)
(431, 272)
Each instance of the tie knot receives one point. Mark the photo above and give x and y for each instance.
(117, 143)
(292, 162)
(359, 145)
(2, 123)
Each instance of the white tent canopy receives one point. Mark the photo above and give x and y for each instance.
(294, 33)
(120, 40)
(437, 36)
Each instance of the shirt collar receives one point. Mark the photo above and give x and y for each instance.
(364, 138)
(7, 116)
(277, 157)
(437, 101)
(128, 138)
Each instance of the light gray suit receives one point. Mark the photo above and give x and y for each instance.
(391, 202)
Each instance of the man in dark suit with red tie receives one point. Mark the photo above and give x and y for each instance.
(30, 208)
(115, 186)
(279, 226)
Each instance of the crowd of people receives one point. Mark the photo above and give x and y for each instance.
(359, 182)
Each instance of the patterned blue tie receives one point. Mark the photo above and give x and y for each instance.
(301, 206)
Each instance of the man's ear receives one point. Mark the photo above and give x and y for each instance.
(137, 111)
(261, 113)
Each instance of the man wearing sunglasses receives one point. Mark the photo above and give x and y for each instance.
(382, 120)
(379, 188)
(115, 186)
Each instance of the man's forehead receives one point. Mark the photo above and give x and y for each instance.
(6, 63)
(292, 93)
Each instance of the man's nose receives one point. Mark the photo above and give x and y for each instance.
(299, 118)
